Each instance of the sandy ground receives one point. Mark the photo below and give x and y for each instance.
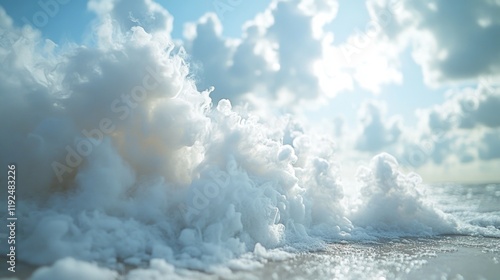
(448, 257)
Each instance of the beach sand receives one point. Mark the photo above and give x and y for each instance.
(448, 257)
(444, 257)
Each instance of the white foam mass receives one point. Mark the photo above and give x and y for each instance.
(69, 268)
(124, 161)
(392, 203)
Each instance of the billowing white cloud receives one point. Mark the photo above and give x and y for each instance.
(377, 132)
(480, 107)
(269, 59)
(489, 147)
(126, 14)
(464, 127)
(462, 131)
(466, 108)
(450, 42)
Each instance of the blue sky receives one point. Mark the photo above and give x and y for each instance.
(407, 84)
(351, 18)
(72, 23)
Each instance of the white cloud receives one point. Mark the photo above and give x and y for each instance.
(377, 132)
(464, 127)
(490, 145)
(460, 133)
(466, 108)
(148, 14)
(268, 60)
(480, 107)
(450, 42)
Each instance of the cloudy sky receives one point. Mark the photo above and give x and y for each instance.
(417, 79)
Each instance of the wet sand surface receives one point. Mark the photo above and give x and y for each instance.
(446, 257)
(449, 257)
